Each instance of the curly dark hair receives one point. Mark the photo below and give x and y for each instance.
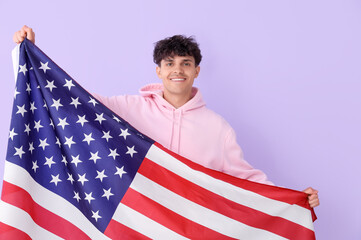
(177, 45)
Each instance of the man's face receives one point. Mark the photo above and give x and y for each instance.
(178, 74)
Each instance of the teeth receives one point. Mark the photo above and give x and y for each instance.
(177, 79)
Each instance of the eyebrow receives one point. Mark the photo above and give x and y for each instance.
(184, 60)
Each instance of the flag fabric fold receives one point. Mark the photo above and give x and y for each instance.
(76, 170)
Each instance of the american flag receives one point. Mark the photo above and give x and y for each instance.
(76, 170)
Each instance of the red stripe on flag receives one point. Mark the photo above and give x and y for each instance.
(259, 188)
(18, 197)
(224, 206)
(118, 231)
(10, 233)
(168, 218)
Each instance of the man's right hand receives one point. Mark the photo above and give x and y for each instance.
(25, 31)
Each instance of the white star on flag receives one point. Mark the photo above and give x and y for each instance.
(94, 157)
(120, 171)
(21, 110)
(28, 88)
(124, 133)
(49, 161)
(51, 124)
(89, 197)
(63, 160)
(82, 120)
(69, 141)
(107, 193)
(55, 179)
(12, 134)
(19, 151)
(76, 196)
(35, 166)
(99, 118)
(50, 85)
(31, 147)
(16, 92)
(45, 105)
(44, 66)
(96, 215)
(62, 123)
(32, 107)
(27, 129)
(76, 160)
(69, 84)
(116, 119)
(82, 179)
(93, 101)
(58, 141)
(131, 151)
(70, 178)
(43, 143)
(37, 125)
(75, 102)
(106, 135)
(101, 175)
(23, 69)
(113, 153)
(56, 104)
(88, 138)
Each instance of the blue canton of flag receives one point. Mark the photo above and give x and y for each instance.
(89, 157)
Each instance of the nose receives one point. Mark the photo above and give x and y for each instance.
(177, 69)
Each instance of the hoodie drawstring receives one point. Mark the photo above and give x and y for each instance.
(172, 132)
(172, 137)
(179, 129)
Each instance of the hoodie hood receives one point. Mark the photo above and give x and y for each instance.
(155, 91)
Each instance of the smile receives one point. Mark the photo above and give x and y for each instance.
(177, 79)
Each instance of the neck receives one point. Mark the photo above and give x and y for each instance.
(177, 100)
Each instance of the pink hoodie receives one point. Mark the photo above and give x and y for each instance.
(192, 131)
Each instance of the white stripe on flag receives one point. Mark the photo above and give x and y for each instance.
(143, 224)
(52, 202)
(15, 56)
(198, 213)
(21, 220)
(253, 200)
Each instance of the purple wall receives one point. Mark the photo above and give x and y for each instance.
(285, 74)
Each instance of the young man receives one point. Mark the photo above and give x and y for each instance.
(176, 115)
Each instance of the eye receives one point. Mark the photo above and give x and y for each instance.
(169, 64)
(187, 64)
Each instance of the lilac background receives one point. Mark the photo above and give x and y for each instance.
(285, 74)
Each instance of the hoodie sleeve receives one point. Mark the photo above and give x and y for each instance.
(117, 104)
(234, 163)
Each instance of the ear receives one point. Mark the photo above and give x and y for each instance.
(198, 69)
(157, 69)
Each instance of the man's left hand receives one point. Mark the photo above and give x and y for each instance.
(312, 197)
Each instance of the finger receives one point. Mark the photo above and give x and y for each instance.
(313, 200)
(29, 33)
(313, 196)
(314, 203)
(310, 191)
(23, 32)
(18, 37)
(15, 37)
